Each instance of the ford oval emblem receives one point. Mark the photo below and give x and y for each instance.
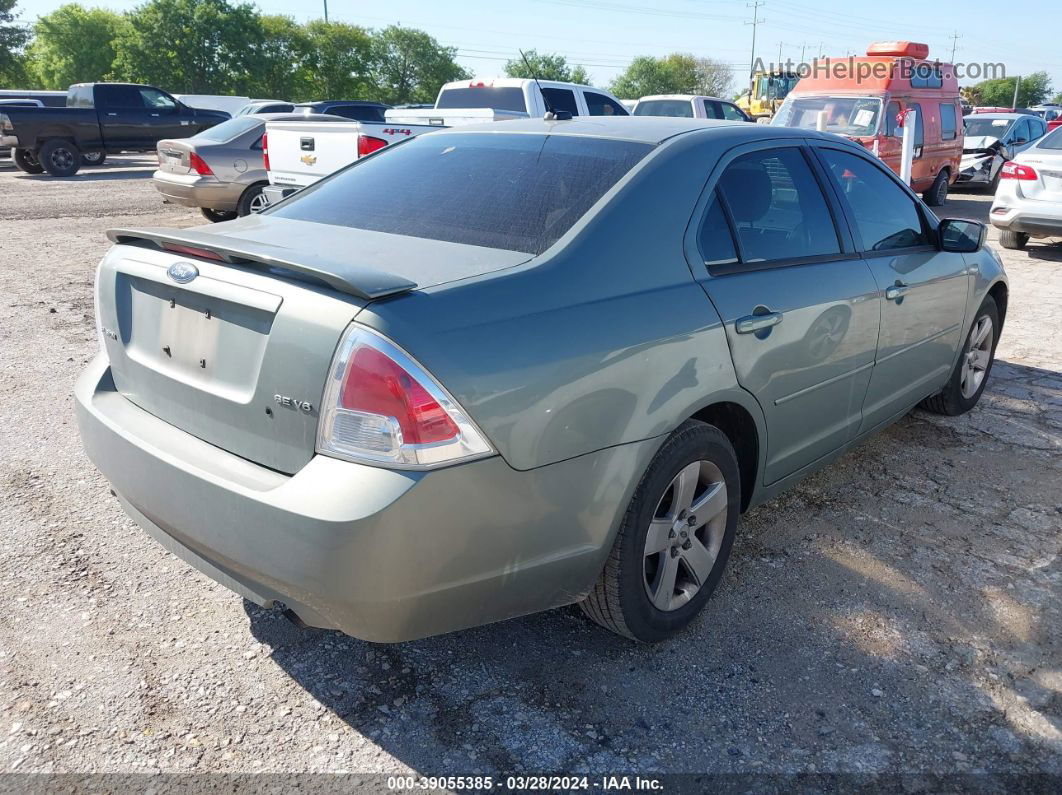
(182, 272)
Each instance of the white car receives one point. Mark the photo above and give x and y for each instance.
(689, 106)
(1028, 201)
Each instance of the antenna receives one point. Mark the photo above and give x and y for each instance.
(551, 113)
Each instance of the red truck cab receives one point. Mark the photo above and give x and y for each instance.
(865, 98)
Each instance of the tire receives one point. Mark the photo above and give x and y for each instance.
(27, 161)
(60, 158)
(1012, 240)
(634, 587)
(967, 381)
(252, 200)
(938, 191)
(217, 216)
(93, 158)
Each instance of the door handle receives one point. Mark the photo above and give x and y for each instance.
(752, 323)
(155, 115)
(112, 114)
(896, 292)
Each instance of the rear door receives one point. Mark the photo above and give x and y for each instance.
(799, 305)
(923, 290)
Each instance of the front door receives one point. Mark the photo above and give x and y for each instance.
(923, 290)
(798, 304)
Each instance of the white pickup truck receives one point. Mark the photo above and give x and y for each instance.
(298, 153)
(690, 106)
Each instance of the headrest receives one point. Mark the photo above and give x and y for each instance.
(748, 190)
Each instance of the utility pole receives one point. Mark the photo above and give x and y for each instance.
(779, 61)
(803, 49)
(326, 10)
(954, 44)
(755, 6)
(1017, 85)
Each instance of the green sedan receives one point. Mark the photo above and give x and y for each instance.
(497, 369)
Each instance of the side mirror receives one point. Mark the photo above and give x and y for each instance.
(960, 236)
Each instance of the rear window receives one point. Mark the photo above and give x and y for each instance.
(230, 129)
(507, 191)
(665, 107)
(1053, 140)
(510, 98)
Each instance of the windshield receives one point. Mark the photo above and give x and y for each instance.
(1053, 140)
(228, 130)
(775, 86)
(510, 98)
(978, 126)
(499, 190)
(855, 116)
(665, 107)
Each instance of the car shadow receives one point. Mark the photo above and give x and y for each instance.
(958, 206)
(1051, 252)
(890, 613)
(96, 174)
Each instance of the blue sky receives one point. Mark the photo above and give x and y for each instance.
(605, 35)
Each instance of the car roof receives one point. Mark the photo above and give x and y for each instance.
(1000, 116)
(358, 102)
(646, 129)
(689, 97)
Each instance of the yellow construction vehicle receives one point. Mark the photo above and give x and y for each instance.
(768, 91)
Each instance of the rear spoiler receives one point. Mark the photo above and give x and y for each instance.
(361, 281)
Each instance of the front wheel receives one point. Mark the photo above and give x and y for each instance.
(970, 376)
(938, 192)
(27, 161)
(60, 158)
(675, 538)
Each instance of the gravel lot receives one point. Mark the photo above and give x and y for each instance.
(899, 612)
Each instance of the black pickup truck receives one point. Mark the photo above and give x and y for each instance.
(98, 118)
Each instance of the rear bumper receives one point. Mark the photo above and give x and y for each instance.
(380, 554)
(1040, 219)
(192, 190)
(275, 193)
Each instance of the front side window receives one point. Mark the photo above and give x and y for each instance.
(499, 190)
(778, 209)
(919, 133)
(122, 96)
(156, 100)
(892, 121)
(886, 217)
(732, 112)
(600, 105)
(561, 99)
(948, 127)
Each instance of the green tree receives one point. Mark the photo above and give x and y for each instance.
(547, 66)
(1057, 99)
(337, 61)
(279, 68)
(677, 73)
(1034, 89)
(73, 44)
(189, 46)
(13, 37)
(408, 65)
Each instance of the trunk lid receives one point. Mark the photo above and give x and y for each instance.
(302, 152)
(174, 156)
(1048, 183)
(236, 351)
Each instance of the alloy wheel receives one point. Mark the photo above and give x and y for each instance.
(977, 357)
(258, 202)
(62, 158)
(685, 535)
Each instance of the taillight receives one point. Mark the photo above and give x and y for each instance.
(367, 144)
(265, 151)
(199, 165)
(1012, 170)
(192, 251)
(381, 407)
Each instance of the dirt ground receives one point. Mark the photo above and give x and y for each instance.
(899, 612)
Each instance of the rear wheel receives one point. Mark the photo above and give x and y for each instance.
(1013, 240)
(938, 192)
(27, 161)
(970, 375)
(93, 158)
(217, 216)
(252, 200)
(675, 538)
(60, 158)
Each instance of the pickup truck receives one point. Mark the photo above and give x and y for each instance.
(690, 106)
(98, 118)
(300, 153)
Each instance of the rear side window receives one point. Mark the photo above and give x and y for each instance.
(716, 240)
(499, 190)
(885, 215)
(712, 109)
(600, 105)
(561, 99)
(778, 209)
(508, 98)
(948, 125)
